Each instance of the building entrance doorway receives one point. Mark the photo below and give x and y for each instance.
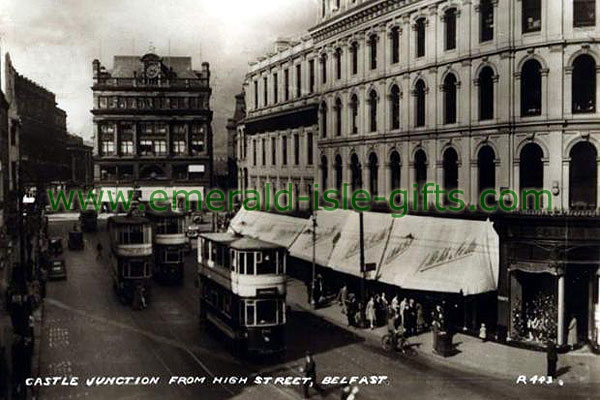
(580, 297)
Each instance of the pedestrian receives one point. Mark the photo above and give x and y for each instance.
(412, 315)
(310, 371)
(346, 390)
(402, 306)
(370, 312)
(420, 318)
(351, 310)
(483, 333)
(98, 251)
(573, 338)
(342, 297)
(395, 304)
(551, 358)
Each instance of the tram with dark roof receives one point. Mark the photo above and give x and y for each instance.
(242, 290)
(131, 256)
(169, 244)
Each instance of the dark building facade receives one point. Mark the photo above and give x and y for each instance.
(152, 125)
(39, 129)
(232, 125)
(81, 161)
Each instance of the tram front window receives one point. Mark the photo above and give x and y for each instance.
(264, 312)
(132, 235)
(169, 226)
(268, 264)
(136, 269)
(172, 256)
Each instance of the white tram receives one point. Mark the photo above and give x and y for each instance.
(169, 244)
(242, 291)
(131, 249)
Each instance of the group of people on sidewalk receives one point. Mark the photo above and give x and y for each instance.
(408, 314)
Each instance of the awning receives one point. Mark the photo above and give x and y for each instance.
(330, 225)
(281, 230)
(346, 253)
(536, 267)
(441, 255)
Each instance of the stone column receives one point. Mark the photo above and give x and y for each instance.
(561, 311)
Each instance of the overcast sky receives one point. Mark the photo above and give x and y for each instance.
(53, 42)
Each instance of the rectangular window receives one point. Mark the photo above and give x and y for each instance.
(160, 147)
(309, 148)
(265, 91)
(284, 150)
(286, 85)
(584, 13)
(145, 147)
(274, 151)
(127, 147)
(324, 69)
(275, 88)
(420, 32)
(299, 80)
(354, 51)
(296, 149)
(395, 43)
(102, 102)
(311, 68)
(255, 94)
(179, 147)
(532, 15)
(108, 147)
(254, 152)
(197, 146)
(264, 151)
(373, 50)
(486, 21)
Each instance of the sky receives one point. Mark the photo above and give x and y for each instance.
(53, 42)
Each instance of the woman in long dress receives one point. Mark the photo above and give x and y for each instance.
(370, 312)
(573, 339)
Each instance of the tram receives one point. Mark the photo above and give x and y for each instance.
(131, 249)
(169, 244)
(242, 290)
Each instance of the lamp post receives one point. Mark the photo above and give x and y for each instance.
(313, 218)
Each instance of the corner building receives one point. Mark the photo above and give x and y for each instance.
(152, 125)
(474, 95)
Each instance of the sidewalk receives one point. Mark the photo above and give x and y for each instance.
(487, 358)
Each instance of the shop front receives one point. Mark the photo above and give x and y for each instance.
(548, 289)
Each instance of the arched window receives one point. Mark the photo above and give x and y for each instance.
(486, 20)
(395, 107)
(531, 172)
(584, 84)
(531, 89)
(373, 173)
(356, 170)
(486, 93)
(339, 177)
(354, 112)
(486, 168)
(583, 176)
(450, 21)
(373, 111)
(354, 55)
(450, 85)
(450, 166)
(420, 173)
(338, 63)
(373, 51)
(420, 37)
(420, 103)
(323, 119)
(395, 43)
(338, 117)
(395, 170)
(324, 68)
(324, 173)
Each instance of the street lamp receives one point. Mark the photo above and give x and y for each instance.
(313, 219)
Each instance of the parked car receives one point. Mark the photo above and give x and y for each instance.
(58, 269)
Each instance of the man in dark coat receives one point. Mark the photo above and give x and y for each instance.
(552, 358)
(310, 371)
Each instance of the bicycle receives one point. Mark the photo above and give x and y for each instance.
(402, 344)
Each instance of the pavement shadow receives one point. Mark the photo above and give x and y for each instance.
(563, 370)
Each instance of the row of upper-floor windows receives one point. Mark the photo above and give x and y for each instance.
(584, 14)
(151, 103)
(583, 95)
(283, 150)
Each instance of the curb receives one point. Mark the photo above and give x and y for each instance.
(37, 348)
